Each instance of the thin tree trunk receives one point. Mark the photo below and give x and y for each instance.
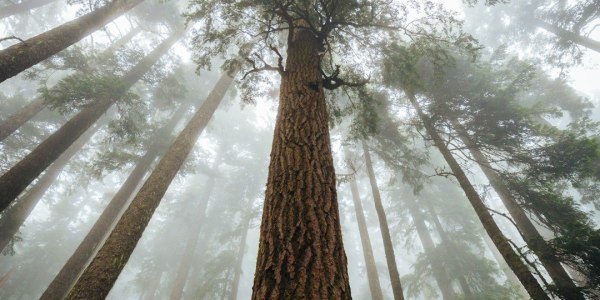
(15, 180)
(510, 256)
(385, 230)
(235, 283)
(99, 277)
(301, 253)
(14, 217)
(372, 274)
(508, 272)
(570, 36)
(535, 241)
(440, 273)
(21, 56)
(66, 277)
(188, 254)
(17, 120)
(22, 7)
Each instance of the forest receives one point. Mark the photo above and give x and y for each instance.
(300, 149)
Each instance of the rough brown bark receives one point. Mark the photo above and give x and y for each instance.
(14, 217)
(385, 230)
(66, 277)
(12, 123)
(535, 241)
(15, 180)
(301, 253)
(22, 7)
(440, 273)
(502, 244)
(570, 36)
(372, 274)
(21, 56)
(99, 277)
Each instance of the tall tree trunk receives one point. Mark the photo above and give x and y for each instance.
(188, 254)
(14, 217)
(15, 180)
(22, 7)
(568, 35)
(17, 120)
(510, 256)
(235, 283)
(301, 253)
(372, 274)
(535, 241)
(66, 277)
(99, 277)
(440, 273)
(508, 272)
(385, 230)
(24, 55)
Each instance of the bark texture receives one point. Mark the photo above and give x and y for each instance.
(535, 241)
(301, 253)
(21, 56)
(22, 7)
(12, 123)
(15, 180)
(385, 230)
(510, 256)
(372, 274)
(570, 36)
(99, 277)
(66, 277)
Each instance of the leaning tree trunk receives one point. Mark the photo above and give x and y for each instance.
(24, 55)
(383, 225)
(185, 263)
(372, 274)
(14, 122)
(66, 277)
(22, 7)
(440, 273)
(15, 180)
(510, 256)
(535, 241)
(301, 252)
(568, 35)
(14, 217)
(99, 277)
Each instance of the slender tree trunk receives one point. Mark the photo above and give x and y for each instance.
(99, 277)
(66, 277)
(14, 217)
(188, 254)
(235, 283)
(301, 253)
(510, 256)
(22, 7)
(535, 241)
(385, 230)
(439, 271)
(510, 275)
(570, 36)
(17, 120)
(24, 55)
(372, 274)
(15, 180)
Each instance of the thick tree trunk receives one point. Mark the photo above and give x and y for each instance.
(17, 120)
(185, 263)
(24, 55)
(372, 274)
(301, 253)
(440, 273)
(22, 7)
(535, 241)
(14, 217)
(570, 36)
(66, 277)
(15, 180)
(510, 256)
(385, 230)
(508, 272)
(99, 277)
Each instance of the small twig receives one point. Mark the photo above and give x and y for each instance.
(12, 37)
